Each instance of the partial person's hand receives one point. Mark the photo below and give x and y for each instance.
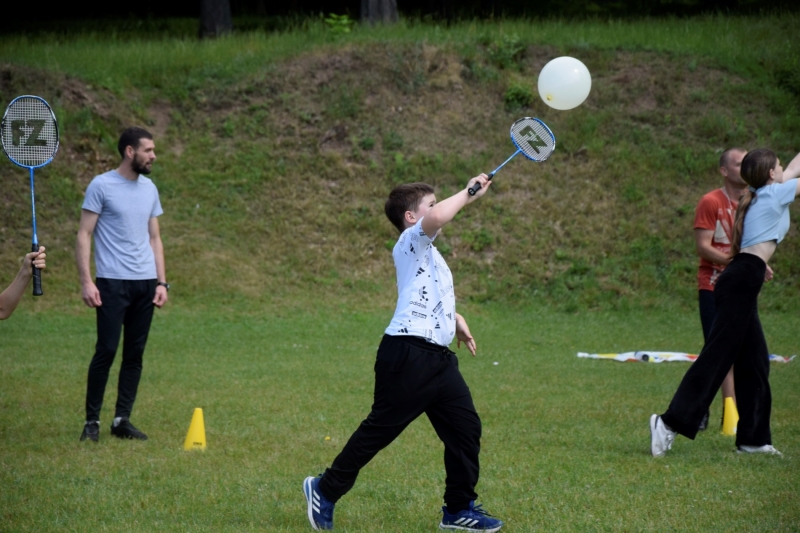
(91, 296)
(36, 259)
(161, 296)
(768, 275)
(463, 335)
(483, 179)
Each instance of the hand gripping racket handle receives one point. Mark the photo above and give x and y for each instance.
(37, 275)
(475, 188)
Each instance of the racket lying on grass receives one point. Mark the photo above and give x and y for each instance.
(532, 138)
(29, 133)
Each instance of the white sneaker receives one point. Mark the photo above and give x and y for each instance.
(767, 448)
(661, 436)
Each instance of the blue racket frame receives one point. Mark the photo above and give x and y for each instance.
(37, 276)
(524, 150)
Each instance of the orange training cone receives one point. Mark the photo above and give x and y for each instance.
(196, 438)
(730, 417)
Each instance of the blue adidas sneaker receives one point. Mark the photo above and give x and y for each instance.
(320, 510)
(472, 519)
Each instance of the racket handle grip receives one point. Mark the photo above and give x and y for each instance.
(37, 276)
(475, 188)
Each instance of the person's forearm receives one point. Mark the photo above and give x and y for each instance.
(793, 168)
(9, 298)
(714, 256)
(158, 253)
(83, 252)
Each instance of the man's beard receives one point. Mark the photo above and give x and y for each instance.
(139, 167)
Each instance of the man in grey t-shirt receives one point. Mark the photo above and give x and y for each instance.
(120, 210)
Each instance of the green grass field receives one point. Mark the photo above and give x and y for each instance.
(565, 444)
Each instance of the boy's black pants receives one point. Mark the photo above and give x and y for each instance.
(736, 338)
(413, 377)
(127, 303)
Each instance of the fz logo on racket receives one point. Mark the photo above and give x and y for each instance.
(27, 132)
(532, 138)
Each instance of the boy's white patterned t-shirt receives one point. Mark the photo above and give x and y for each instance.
(426, 301)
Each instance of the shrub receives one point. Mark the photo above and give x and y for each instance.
(338, 24)
(518, 96)
(507, 52)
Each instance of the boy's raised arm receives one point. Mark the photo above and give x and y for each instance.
(444, 211)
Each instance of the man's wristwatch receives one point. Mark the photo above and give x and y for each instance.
(164, 284)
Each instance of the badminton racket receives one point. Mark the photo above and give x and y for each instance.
(532, 138)
(29, 134)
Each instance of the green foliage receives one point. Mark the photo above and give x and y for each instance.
(507, 52)
(344, 102)
(478, 70)
(366, 143)
(633, 195)
(407, 66)
(401, 169)
(478, 240)
(339, 24)
(392, 141)
(518, 96)
(788, 78)
(444, 247)
(228, 128)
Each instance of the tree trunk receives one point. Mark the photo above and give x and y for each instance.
(215, 18)
(379, 11)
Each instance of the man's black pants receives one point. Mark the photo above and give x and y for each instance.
(413, 377)
(708, 311)
(127, 303)
(736, 338)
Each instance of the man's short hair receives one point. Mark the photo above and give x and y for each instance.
(404, 198)
(132, 137)
(726, 155)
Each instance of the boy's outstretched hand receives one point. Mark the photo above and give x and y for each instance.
(484, 180)
(463, 334)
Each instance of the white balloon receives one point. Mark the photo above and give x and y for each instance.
(564, 83)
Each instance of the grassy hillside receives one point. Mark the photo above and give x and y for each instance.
(276, 151)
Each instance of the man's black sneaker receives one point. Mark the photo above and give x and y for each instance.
(125, 430)
(91, 431)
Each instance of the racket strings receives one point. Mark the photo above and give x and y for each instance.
(29, 132)
(533, 138)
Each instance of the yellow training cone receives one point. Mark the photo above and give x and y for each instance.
(730, 417)
(196, 438)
